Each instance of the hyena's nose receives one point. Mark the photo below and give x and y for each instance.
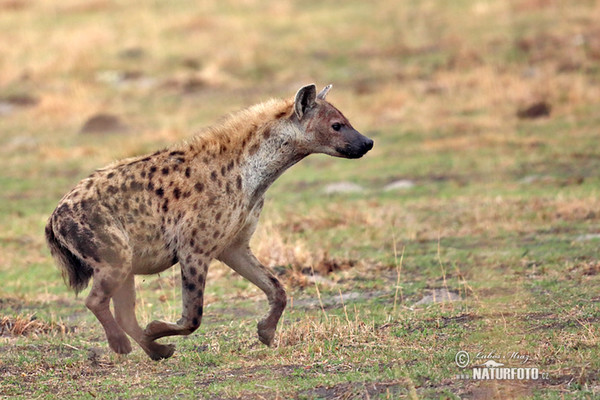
(368, 145)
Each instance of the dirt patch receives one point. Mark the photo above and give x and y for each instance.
(535, 110)
(351, 390)
(250, 373)
(103, 123)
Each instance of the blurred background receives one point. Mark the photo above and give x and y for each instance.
(485, 117)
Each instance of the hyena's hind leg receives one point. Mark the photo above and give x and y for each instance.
(124, 304)
(107, 281)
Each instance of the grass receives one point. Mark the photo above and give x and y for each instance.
(504, 212)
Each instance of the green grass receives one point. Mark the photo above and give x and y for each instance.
(498, 215)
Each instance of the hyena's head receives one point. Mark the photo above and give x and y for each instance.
(325, 129)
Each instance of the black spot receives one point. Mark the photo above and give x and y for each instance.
(200, 310)
(165, 206)
(89, 184)
(143, 174)
(192, 242)
(239, 182)
(111, 189)
(186, 195)
(281, 114)
(195, 322)
(64, 208)
(267, 133)
(151, 173)
(216, 234)
(188, 172)
(193, 271)
(109, 176)
(230, 165)
(160, 192)
(275, 281)
(191, 287)
(218, 217)
(213, 175)
(150, 186)
(165, 171)
(136, 186)
(83, 239)
(199, 187)
(228, 188)
(180, 160)
(177, 193)
(223, 170)
(176, 153)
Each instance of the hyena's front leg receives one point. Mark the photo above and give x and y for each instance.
(193, 277)
(240, 259)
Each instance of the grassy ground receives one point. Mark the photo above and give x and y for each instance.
(504, 212)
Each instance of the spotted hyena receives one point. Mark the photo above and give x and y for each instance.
(190, 203)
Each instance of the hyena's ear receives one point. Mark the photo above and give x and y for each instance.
(305, 99)
(323, 93)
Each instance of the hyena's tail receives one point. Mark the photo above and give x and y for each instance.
(75, 272)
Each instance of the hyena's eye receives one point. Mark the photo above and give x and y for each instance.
(336, 126)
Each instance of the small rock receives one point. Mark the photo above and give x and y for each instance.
(535, 110)
(402, 184)
(126, 79)
(439, 296)
(133, 53)
(6, 108)
(587, 237)
(18, 143)
(531, 179)
(342, 187)
(103, 123)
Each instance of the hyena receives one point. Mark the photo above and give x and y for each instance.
(190, 203)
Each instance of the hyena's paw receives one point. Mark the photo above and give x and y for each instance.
(120, 344)
(266, 333)
(158, 351)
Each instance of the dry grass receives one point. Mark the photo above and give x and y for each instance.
(30, 326)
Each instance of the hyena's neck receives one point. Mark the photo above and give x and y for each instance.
(268, 156)
(258, 139)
